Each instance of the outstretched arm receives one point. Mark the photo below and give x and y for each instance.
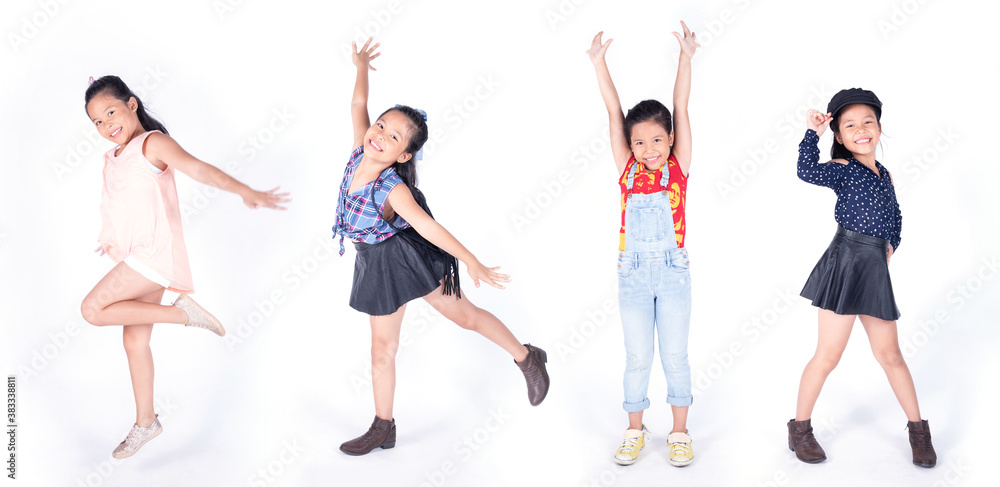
(401, 200)
(162, 150)
(682, 92)
(359, 103)
(620, 147)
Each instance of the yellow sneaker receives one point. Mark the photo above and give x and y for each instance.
(632, 441)
(681, 453)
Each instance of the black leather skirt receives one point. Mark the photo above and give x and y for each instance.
(852, 277)
(398, 270)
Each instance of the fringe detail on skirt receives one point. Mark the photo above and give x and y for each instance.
(449, 281)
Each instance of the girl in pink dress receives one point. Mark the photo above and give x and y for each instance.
(141, 231)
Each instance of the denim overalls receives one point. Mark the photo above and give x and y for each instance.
(654, 292)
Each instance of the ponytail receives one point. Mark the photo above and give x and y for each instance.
(117, 88)
(407, 171)
(838, 151)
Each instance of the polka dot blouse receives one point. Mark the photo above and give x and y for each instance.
(866, 202)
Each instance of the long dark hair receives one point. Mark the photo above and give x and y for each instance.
(645, 111)
(838, 151)
(407, 171)
(117, 88)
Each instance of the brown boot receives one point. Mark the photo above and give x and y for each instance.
(802, 441)
(920, 442)
(533, 367)
(381, 434)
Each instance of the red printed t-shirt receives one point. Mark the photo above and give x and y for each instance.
(649, 182)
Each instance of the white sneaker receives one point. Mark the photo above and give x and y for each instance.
(197, 316)
(632, 441)
(681, 453)
(137, 437)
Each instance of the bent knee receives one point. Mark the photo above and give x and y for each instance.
(466, 321)
(91, 312)
(464, 317)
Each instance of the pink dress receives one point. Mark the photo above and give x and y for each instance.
(141, 218)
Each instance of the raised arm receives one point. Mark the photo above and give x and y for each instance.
(620, 147)
(830, 174)
(682, 92)
(401, 200)
(359, 103)
(162, 150)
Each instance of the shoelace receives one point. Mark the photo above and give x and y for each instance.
(629, 445)
(680, 449)
(133, 435)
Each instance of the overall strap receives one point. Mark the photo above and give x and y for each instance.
(632, 169)
(631, 176)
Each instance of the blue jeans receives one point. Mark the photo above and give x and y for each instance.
(654, 293)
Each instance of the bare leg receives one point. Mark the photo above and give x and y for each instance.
(885, 346)
(635, 421)
(680, 414)
(140, 363)
(466, 315)
(385, 343)
(834, 331)
(115, 301)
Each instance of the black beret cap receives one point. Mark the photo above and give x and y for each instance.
(852, 96)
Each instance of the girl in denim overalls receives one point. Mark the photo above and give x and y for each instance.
(654, 284)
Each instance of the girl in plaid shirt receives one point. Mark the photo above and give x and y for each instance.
(404, 254)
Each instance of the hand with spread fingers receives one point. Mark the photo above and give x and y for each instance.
(489, 275)
(597, 48)
(366, 55)
(688, 43)
(266, 199)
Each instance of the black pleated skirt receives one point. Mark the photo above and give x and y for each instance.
(398, 270)
(852, 277)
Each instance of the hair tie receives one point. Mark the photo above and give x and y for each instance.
(91, 81)
(420, 153)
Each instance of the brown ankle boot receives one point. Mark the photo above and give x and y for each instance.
(382, 433)
(802, 441)
(533, 367)
(920, 442)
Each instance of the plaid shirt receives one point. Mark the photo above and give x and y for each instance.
(358, 216)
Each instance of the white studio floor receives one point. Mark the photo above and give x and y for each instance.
(520, 171)
(256, 419)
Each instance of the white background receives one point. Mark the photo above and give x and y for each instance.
(520, 171)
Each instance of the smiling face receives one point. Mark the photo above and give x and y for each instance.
(387, 139)
(858, 129)
(651, 143)
(115, 120)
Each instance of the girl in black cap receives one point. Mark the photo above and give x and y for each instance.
(851, 279)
